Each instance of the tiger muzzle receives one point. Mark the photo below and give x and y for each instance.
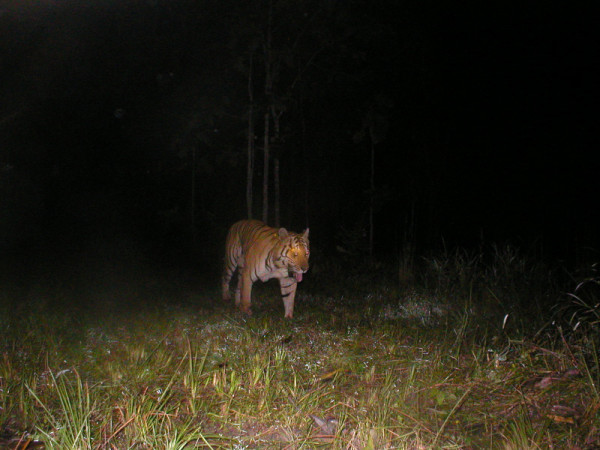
(299, 272)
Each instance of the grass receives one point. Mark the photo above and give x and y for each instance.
(468, 355)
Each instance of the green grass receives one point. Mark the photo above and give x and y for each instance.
(461, 358)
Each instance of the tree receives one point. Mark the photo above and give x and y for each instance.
(289, 48)
(250, 139)
(375, 126)
(269, 74)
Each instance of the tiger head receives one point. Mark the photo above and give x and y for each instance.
(294, 252)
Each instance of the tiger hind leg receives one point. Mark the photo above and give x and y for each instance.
(288, 287)
(233, 262)
(225, 288)
(227, 275)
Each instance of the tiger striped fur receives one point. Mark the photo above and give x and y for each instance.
(260, 252)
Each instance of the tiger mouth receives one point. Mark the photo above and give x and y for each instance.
(297, 273)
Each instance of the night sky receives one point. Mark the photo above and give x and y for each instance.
(485, 113)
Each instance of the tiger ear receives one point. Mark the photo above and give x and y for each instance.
(305, 234)
(283, 233)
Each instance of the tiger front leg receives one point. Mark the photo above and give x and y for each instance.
(226, 294)
(288, 287)
(243, 293)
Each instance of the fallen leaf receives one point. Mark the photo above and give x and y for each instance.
(328, 425)
(561, 419)
(329, 375)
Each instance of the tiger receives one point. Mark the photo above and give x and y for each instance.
(260, 252)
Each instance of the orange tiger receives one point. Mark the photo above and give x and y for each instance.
(260, 252)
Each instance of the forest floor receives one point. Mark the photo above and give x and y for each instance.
(469, 356)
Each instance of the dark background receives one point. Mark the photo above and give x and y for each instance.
(486, 113)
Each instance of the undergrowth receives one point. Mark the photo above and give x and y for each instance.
(478, 351)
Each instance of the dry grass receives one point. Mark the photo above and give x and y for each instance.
(373, 367)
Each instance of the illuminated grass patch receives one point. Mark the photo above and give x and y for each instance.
(349, 372)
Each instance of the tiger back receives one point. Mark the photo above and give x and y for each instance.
(260, 252)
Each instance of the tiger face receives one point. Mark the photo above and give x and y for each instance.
(296, 254)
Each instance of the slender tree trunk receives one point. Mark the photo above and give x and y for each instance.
(265, 206)
(269, 99)
(371, 203)
(276, 136)
(305, 168)
(408, 245)
(276, 176)
(250, 165)
(193, 200)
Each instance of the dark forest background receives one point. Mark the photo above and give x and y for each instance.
(124, 124)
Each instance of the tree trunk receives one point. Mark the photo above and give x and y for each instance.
(372, 199)
(193, 200)
(276, 139)
(265, 206)
(269, 97)
(250, 164)
(276, 176)
(306, 167)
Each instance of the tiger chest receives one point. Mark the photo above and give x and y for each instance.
(267, 274)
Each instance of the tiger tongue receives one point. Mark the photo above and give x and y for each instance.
(298, 276)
